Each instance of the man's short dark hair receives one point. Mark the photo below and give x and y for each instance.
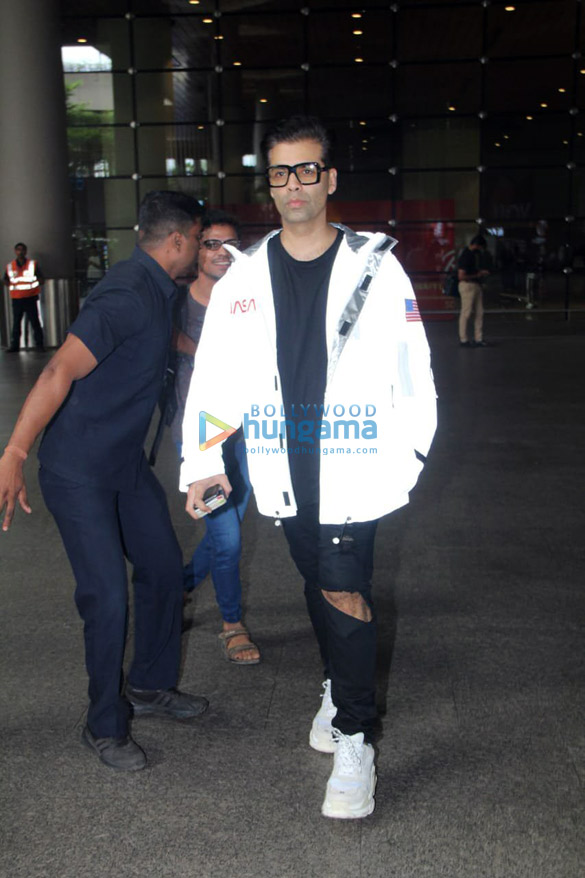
(220, 218)
(163, 212)
(479, 241)
(20, 244)
(298, 128)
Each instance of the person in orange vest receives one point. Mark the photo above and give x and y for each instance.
(24, 279)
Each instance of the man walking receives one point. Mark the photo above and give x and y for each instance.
(334, 390)
(24, 280)
(95, 398)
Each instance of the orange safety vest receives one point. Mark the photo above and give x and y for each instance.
(23, 279)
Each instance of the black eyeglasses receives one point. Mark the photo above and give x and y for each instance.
(307, 173)
(215, 243)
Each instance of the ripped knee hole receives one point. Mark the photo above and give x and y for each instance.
(349, 602)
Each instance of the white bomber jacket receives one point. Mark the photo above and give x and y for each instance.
(379, 414)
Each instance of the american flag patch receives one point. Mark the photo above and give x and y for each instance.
(412, 312)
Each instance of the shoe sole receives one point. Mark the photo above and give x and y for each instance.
(356, 814)
(90, 746)
(318, 742)
(146, 710)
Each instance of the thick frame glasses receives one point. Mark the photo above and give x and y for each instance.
(215, 243)
(307, 173)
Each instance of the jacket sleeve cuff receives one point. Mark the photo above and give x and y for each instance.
(202, 466)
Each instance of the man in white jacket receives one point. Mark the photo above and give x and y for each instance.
(325, 363)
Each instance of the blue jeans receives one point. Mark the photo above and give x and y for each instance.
(220, 549)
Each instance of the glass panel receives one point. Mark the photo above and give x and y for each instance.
(176, 97)
(452, 142)
(241, 148)
(98, 98)
(439, 195)
(262, 40)
(577, 291)
(94, 7)
(369, 38)
(345, 4)
(524, 194)
(442, 2)
(439, 33)
(362, 199)
(337, 91)
(435, 89)
(119, 244)
(262, 94)
(175, 42)
(120, 202)
(100, 152)
(427, 247)
(105, 46)
(524, 86)
(542, 28)
(249, 199)
(515, 140)
(163, 7)
(581, 83)
(178, 150)
(575, 258)
(578, 192)
(262, 5)
(206, 189)
(103, 202)
(363, 145)
(579, 141)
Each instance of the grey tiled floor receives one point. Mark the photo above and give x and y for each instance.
(479, 586)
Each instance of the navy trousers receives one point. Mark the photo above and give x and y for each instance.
(99, 528)
(340, 558)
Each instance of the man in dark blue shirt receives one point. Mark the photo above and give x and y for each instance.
(95, 398)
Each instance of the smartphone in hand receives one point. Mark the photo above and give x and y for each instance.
(214, 497)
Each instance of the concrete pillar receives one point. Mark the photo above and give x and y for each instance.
(34, 191)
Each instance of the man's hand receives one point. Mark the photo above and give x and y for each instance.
(72, 361)
(12, 487)
(198, 489)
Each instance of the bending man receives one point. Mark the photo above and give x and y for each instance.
(95, 398)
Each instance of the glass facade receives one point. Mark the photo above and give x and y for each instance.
(450, 118)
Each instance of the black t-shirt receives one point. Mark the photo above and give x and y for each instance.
(467, 262)
(300, 302)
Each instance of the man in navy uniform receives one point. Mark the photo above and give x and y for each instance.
(95, 400)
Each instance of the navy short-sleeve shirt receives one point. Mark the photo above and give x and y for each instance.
(97, 436)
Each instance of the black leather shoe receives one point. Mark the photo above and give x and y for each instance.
(166, 702)
(12, 350)
(465, 344)
(121, 753)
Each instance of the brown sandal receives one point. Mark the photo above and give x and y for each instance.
(231, 652)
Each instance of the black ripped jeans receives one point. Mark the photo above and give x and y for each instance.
(339, 558)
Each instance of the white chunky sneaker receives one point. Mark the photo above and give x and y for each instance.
(321, 737)
(350, 789)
